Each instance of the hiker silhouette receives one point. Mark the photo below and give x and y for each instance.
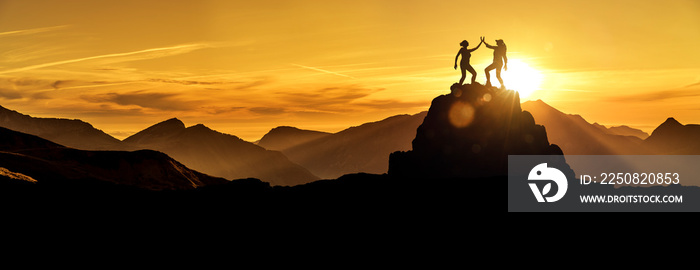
(464, 64)
(499, 57)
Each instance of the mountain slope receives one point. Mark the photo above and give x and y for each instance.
(281, 138)
(72, 133)
(55, 165)
(623, 131)
(157, 133)
(364, 148)
(219, 154)
(576, 136)
(674, 138)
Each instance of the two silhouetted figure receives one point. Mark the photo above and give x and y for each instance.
(499, 61)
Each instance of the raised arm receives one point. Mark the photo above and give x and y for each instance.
(489, 46)
(477, 46)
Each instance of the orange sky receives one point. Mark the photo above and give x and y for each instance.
(244, 67)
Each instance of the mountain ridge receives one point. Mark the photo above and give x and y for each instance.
(170, 126)
(53, 164)
(576, 136)
(70, 132)
(331, 155)
(220, 154)
(284, 137)
(674, 138)
(364, 148)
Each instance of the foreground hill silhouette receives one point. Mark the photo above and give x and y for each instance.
(469, 134)
(71, 133)
(53, 165)
(218, 154)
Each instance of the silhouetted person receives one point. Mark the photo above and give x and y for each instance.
(464, 64)
(499, 57)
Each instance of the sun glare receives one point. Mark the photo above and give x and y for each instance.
(521, 77)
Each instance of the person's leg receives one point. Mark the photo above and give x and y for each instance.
(473, 72)
(464, 75)
(498, 75)
(488, 76)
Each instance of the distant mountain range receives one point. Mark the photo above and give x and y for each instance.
(33, 159)
(576, 136)
(358, 149)
(364, 148)
(623, 131)
(197, 147)
(437, 152)
(215, 153)
(72, 133)
(284, 137)
(292, 156)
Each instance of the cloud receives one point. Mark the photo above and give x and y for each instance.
(26, 82)
(185, 82)
(693, 85)
(215, 110)
(253, 83)
(330, 100)
(10, 94)
(159, 101)
(28, 52)
(324, 71)
(32, 30)
(61, 83)
(691, 90)
(41, 85)
(333, 95)
(24, 88)
(385, 104)
(102, 110)
(268, 110)
(121, 57)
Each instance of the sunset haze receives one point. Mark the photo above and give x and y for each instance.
(245, 67)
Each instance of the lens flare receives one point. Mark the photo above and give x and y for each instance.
(461, 114)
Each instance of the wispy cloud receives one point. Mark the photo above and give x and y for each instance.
(159, 101)
(32, 30)
(324, 71)
(121, 57)
(688, 91)
(693, 85)
(267, 110)
(10, 94)
(185, 82)
(328, 96)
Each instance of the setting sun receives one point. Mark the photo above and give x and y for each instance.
(522, 78)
